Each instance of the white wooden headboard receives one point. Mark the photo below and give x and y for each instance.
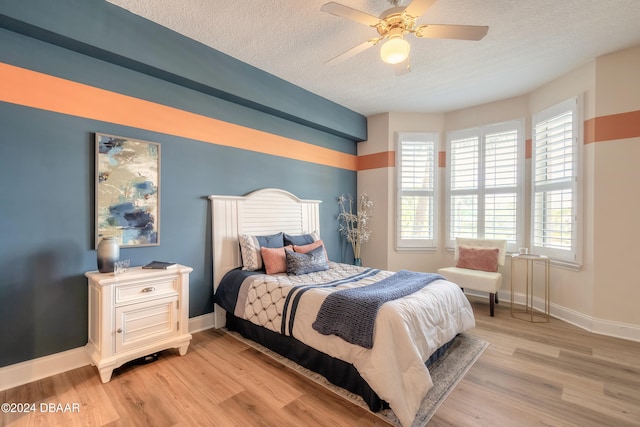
(266, 211)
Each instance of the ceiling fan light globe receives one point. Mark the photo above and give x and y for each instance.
(395, 50)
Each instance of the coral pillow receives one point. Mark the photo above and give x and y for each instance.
(473, 258)
(275, 259)
(303, 249)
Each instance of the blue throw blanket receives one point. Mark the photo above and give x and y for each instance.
(351, 313)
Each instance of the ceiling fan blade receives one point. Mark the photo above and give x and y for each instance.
(459, 32)
(343, 11)
(402, 68)
(353, 51)
(417, 7)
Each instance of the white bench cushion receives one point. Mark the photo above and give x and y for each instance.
(473, 279)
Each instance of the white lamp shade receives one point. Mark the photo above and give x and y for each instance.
(395, 50)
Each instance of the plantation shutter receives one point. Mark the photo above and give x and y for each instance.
(501, 185)
(465, 166)
(485, 184)
(554, 169)
(416, 190)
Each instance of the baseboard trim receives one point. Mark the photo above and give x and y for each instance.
(201, 323)
(43, 367)
(36, 369)
(581, 320)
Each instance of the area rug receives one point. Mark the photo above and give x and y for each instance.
(446, 373)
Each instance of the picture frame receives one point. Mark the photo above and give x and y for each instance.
(127, 190)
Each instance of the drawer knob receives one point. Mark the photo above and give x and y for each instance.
(119, 330)
(149, 289)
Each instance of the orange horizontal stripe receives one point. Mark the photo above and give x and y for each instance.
(37, 90)
(612, 127)
(605, 128)
(385, 159)
(589, 131)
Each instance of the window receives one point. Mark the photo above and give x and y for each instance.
(485, 183)
(555, 184)
(416, 205)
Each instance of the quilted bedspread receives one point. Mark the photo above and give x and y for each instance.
(406, 331)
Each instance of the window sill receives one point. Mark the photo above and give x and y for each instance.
(416, 250)
(566, 265)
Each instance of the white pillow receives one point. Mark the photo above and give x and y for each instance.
(250, 249)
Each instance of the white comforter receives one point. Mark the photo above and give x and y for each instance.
(407, 331)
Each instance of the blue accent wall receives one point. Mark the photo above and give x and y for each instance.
(104, 31)
(47, 161)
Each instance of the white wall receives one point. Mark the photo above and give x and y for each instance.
(617, 193)
(375, 183)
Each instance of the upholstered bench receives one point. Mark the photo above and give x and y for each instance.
(477, 268)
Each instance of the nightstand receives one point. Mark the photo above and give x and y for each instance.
(136, 313)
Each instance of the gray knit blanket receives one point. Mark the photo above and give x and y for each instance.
(351, 313)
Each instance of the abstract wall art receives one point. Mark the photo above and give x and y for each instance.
(127, 195)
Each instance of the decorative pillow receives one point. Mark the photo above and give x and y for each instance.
(250, 248)
(311, 246)
(475, 258)
(301, 239)
(274, 259)
(299, 263)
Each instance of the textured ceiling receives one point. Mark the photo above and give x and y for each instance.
(528, 44)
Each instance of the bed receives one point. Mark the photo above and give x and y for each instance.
(381, 354)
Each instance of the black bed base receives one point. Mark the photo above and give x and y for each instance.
(336, 371)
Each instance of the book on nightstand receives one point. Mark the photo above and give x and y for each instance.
(160, 265)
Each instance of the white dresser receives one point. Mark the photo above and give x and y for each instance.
(136, 313)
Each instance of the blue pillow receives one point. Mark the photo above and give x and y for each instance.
(301, 239)
(299, 263)
(250, 249)
(272, 241)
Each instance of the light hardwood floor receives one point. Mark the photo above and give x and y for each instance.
(531, 375)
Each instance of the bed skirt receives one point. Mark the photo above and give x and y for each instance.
(336, 371)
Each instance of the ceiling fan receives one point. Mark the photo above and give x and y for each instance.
(393, 24)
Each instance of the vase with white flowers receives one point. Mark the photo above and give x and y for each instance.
(354, 226)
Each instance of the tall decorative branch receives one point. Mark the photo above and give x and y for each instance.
(355, 226)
